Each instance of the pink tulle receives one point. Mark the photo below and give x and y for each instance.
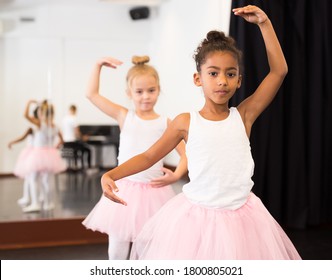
(183, 230)
(42, 159)
(21, 162)
(124, 222)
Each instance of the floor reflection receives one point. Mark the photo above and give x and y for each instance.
(75, 195)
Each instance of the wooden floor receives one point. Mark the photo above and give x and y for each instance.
(59, 235)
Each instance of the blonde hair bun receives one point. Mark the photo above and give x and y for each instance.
(141, 67)
(140, 60)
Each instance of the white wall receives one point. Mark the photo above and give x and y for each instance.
(67, 37)
(180, 27)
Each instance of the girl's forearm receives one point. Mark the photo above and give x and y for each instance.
(276, 59)
(93, 88)
(181, 168)
(132, 166)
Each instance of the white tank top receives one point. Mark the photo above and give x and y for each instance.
(220, 163)
(29, 142)
(45, 136)
(137, 135)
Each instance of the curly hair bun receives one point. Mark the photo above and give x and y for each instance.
(215, 36)
(219, 36)
(140, 60)
(215, 41)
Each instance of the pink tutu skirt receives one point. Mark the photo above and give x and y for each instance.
(183, 230)
(124, 222)
(43, 159)
(21, 162)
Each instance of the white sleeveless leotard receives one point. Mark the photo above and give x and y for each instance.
(220, 163)
(45, 136)
(137, 135)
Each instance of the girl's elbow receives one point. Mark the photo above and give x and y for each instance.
(282, 72)
(89, 96)
(285, 70)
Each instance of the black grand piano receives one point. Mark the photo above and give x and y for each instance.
(100, 136)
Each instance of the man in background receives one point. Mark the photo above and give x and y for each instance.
(74, 140)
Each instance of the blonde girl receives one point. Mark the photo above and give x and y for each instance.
(148, 190)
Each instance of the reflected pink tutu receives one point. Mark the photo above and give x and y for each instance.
(183, 230)
(124, 222)
(21, 162)
(43, 159)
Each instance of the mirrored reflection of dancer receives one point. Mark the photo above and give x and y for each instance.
(44, 159)
(21, 162)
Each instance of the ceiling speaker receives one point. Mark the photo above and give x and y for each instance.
(139, 13)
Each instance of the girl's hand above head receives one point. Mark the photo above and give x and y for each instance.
(32, 101)
(110, 62)
(251, 14)
(109, 187)
(168, 178)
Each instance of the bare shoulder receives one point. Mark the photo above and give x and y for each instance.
(181, 124)
(182, 120)
(241, 109)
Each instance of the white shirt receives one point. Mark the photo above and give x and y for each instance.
(69, 126)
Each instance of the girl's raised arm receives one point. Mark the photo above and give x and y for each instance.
(29, 117)
(255, 104)
(110, 108)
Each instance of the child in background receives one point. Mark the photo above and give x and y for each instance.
(216, 216)
(21, 168)
(21, 162)
(44, 159)
(148, 190)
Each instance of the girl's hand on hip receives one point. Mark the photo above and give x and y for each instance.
(168, 178)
